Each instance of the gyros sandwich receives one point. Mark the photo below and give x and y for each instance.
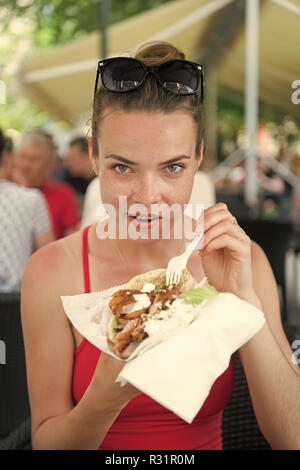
(145, 297)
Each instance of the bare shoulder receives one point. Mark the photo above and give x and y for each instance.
(266, 289)
(263, 277)
(43, 282)
(43, 263)
(258, 254)
(52, 271)
(53, 263)
(264, 280)
(48, 338)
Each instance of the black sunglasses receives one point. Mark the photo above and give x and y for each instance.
(124, 74)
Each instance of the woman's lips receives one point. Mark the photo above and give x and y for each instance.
(142, 222)
(146, 217)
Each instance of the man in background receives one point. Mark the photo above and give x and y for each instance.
(35, 160)
(24, 224)
(7, 158)
(78, 170)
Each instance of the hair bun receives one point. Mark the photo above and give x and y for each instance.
(157, 52)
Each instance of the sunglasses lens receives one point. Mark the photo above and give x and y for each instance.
(122, 75)
(179, 77)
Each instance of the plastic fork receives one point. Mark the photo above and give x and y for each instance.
(178, 263)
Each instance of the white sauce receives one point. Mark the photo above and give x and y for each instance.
(141, 301)
(148, 287)
(170, 320)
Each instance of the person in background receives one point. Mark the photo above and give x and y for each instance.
(7, 158)
(78, 171)
(24, 224)
(296, 206)
(34, 164)
(58, 170)
(92, 201)
(277, 194)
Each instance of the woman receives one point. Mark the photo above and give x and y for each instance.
(147, 145)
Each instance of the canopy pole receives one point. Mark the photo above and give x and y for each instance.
(104, 12)
(252, 25)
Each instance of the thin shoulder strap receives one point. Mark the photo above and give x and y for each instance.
(85, 260)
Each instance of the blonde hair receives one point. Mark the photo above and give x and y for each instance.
(151, 96)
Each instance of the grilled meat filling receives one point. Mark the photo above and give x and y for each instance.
(131, 321)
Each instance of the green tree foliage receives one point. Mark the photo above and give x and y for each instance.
(58, 21)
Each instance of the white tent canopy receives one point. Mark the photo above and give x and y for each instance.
(259, 59)
(61, 81)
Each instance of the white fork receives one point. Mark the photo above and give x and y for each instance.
(178, 263)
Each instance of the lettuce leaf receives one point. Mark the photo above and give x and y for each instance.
(197, 295)
(115, 324)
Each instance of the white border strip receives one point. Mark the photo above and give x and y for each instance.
(288, 6)
(91, 64)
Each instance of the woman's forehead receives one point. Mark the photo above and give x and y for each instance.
(136, 125)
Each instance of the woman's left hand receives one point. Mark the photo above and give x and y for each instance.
(226, 253)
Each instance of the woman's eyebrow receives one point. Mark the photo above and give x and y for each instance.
(129, 162)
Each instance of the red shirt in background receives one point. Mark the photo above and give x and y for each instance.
(62, 206)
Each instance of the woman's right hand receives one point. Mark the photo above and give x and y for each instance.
(110, 393)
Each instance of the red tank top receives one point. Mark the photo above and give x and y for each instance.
(145, 424)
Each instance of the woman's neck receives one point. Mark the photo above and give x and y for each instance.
(150, 253)
(142, 255)
(127, 258)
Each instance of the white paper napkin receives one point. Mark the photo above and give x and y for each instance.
(179, 372)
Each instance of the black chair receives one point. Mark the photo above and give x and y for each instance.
(275, 238)
(14, 402)
(235, 202)
(240, 430)
(19, 438)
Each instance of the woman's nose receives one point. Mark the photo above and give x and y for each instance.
(146, 191)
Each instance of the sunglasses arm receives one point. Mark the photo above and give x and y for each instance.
(96, 82)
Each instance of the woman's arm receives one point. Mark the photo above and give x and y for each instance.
(49, 347)
(273, 379)
(234, 263)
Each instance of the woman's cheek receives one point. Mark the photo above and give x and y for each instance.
(113, 184)
(184, 188)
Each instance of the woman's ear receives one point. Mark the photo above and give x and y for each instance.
(92, 157)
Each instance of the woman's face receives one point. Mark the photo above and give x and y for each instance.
(149, 157)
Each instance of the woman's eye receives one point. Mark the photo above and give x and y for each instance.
(175, 168)
(120, 168)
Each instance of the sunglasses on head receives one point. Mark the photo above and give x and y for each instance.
(124, 74)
